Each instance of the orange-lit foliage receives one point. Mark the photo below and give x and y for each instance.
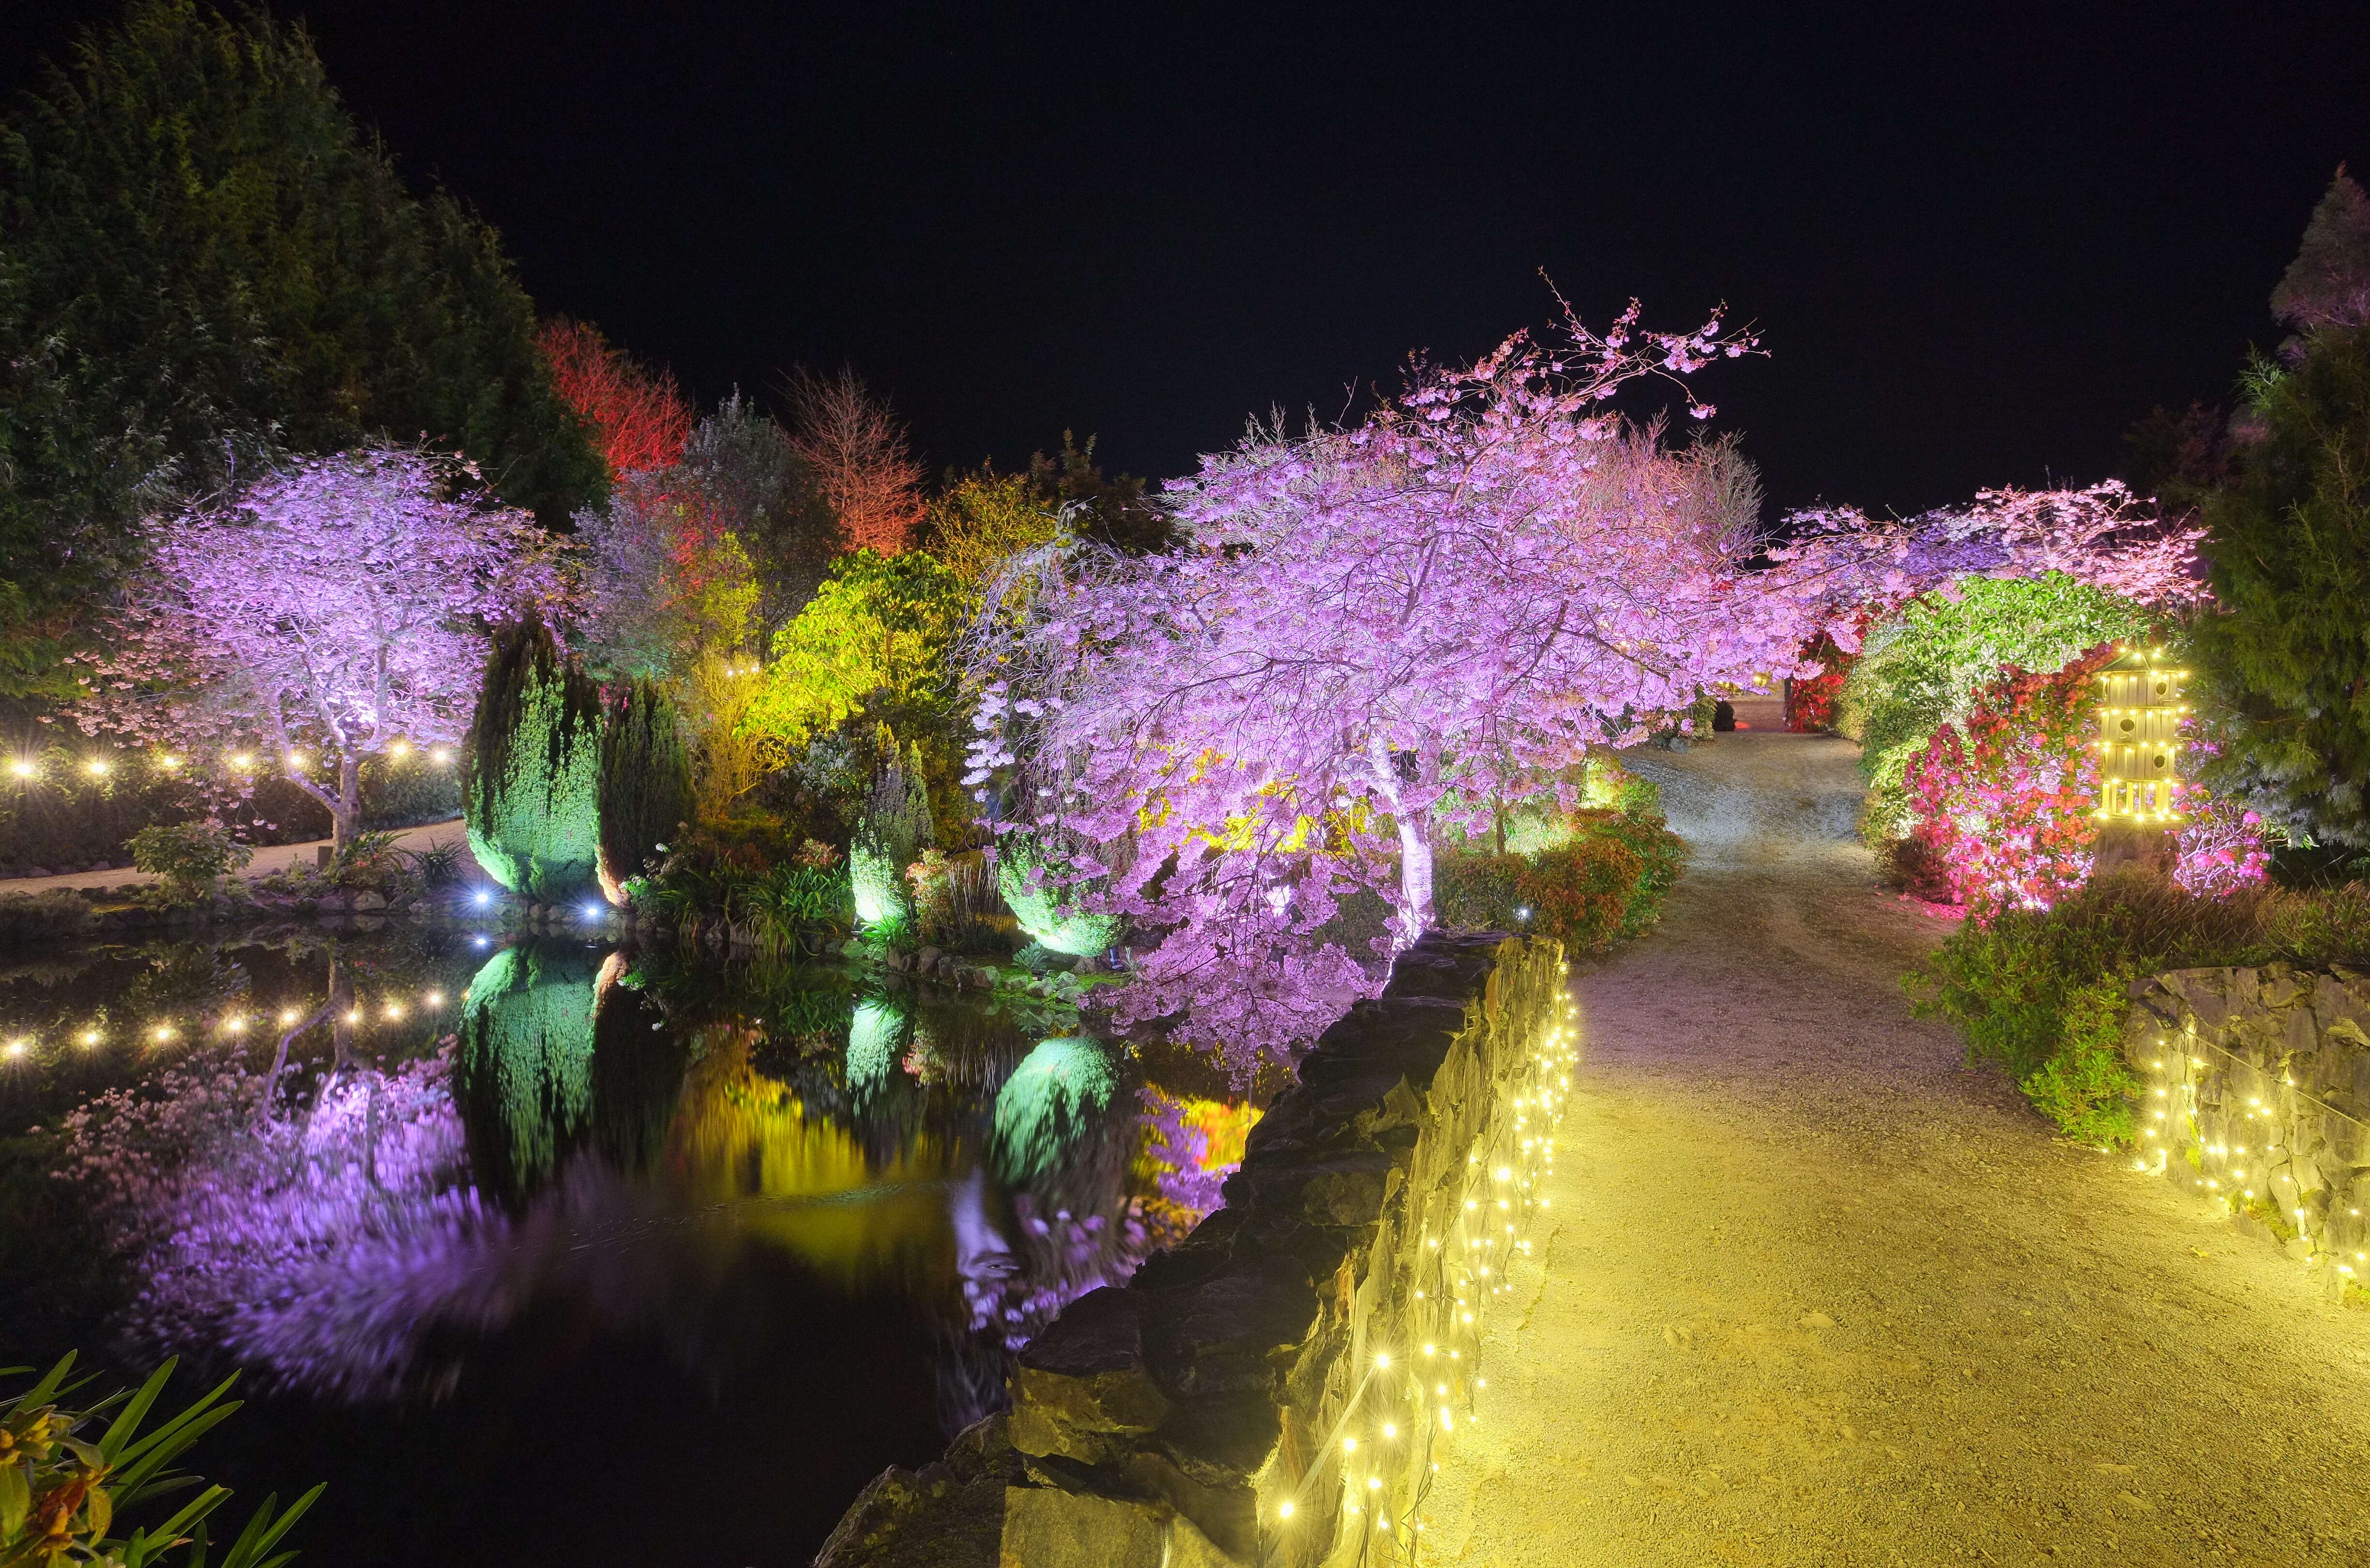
(857, 448)
(640, 417)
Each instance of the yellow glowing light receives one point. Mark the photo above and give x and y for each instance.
(242, 758)
(434, 998)
(22, 769)
(18, 1048)
(97, 768)
(162, 1031)
(355, 1016)
(169, 761)
(441, 755)
(393, 1009)
(91, 1037)
(399, 750)
(1390, 1430)
(234, 1024)
(296, 761)
(288, 1015)
(1284, 1509)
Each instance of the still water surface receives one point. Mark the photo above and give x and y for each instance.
(547, 1253)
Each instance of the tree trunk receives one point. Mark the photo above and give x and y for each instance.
(346, 812)
(1415, 881)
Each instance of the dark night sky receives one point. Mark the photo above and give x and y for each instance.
(1979, 241)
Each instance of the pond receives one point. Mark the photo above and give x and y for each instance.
(549, 1251)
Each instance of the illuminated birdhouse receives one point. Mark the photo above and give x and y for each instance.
(2139, 740)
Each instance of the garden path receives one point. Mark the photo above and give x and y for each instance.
(1818, 1293)
(275, 857)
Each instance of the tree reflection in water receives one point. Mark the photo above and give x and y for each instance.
(626, 1144)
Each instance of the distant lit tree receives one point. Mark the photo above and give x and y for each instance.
(2328, 282)
(862, 460)
(640, 417)
(327, 613)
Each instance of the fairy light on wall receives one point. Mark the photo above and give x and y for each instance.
(2228, 1140)
(1376, 1468)
(2139, 740)
(31, 770)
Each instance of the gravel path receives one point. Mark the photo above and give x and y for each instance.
(276, 857)
(1819, 1294)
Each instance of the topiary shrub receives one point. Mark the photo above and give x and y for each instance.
(531, 786)
(895, 826)
(646, 791)
(1042, 885)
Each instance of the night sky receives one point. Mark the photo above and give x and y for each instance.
(1979, 241)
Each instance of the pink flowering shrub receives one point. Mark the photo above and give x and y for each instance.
(2001, 803)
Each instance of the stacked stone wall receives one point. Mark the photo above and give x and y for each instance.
(2258, 1098)
(1271, 1391)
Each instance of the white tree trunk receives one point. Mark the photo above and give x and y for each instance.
(1415, 881)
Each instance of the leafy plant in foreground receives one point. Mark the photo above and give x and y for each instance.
(65, 1479)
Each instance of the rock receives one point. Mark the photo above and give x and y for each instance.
(1084, 1379)
(1817, 1320)
(368, 901)
(926, 961)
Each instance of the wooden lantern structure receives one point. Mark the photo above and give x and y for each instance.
(2140, 710)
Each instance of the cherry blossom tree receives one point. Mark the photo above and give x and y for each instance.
(1369, 631)
(330, 610)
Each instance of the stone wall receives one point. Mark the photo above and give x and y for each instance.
(1269, 1391)
(2258, 1098)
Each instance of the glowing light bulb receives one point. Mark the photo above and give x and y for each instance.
(434, 998)
(441, 755)
(288, 1015)
(97, 768)
(234, 1024)
(242, 760)
(1284, 1509)
(21, 768)
(1382, 1358)
(91, 1037)
(1390, 1430)
(162, 1032)
(18, 1048)
(393, 1009)
(399, 750)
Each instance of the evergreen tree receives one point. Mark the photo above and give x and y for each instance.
(206, 265)
(2287, 651)
(531, 783)
(646, 793)
(2328, 282)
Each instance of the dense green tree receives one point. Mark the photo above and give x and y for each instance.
(2287, 650)
(646, 792)
(205, 264)
(2328, 282)
(530, 788)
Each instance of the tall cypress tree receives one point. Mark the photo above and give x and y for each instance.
(205, 264)
(2287, 647)
(531, 781)
(646, 792)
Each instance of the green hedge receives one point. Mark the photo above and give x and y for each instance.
(2045, 993)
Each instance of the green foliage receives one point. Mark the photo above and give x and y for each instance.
(530, 779)
(645, 794)
(191, 855)
(879, 624)
(2286, 651)
(895, 826)
(984, 519)
(1921, 668)
(208, 264)
(2044, 993)
(524, 1068)
(2328, 282)
(70, 1474)
(1041, 888)
(1604, 883)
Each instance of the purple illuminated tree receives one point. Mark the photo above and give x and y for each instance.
(1371, 631)
(330, 610)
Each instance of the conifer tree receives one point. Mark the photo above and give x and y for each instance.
(532, 788)
(646, 793)
(2287, 650)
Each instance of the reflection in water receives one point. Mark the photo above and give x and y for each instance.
(632, 1150)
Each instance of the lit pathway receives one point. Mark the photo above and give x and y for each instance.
(1818, 1295)
(275, 857)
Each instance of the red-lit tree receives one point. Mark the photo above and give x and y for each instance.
(331, 610)
(862, 463)
(640, 417)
